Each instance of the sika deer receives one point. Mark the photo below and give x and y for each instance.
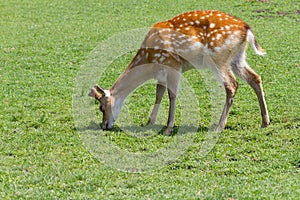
(196, 39)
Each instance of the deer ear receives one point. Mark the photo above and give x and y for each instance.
(94, 93)
(100, 89)
(103, 92)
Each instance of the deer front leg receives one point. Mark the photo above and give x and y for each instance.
(170, 124)
(173, 80)
(231, 86)
(160, 90)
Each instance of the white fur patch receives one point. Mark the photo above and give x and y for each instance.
(107, 93)
(212, 25)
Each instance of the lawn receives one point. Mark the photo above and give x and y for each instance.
(52, 148)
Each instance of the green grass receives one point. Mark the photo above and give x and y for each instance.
(43, 45)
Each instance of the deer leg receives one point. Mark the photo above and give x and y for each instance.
(254, 80)
(170, 124)
(173, 80)
(160, 90)
(231, 86)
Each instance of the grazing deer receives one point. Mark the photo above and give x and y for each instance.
(196, 39)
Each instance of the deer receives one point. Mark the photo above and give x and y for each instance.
(197, 39)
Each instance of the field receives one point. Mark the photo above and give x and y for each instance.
(46, 145)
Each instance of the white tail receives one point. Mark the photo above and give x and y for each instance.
(257, 49)
(210, 39)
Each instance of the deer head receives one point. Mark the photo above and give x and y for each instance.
(106, 105)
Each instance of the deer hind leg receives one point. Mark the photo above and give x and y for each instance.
(160, 90)
(242, 69)
(231, 86)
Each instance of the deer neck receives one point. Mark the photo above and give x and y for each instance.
(138, 72)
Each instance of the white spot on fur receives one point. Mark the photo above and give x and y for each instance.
(217, 49)
(236, 32)
(154, 61)
(162, 59)
(228, 41)
(182, 41)
(157, 55)
(212, 25)
(167, 42)
(196, 46)
(165, 54)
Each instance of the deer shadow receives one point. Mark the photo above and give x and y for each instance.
(148, 130)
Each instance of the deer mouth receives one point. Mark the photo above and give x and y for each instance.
(106, 125)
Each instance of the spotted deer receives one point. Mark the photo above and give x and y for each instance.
(196, 39)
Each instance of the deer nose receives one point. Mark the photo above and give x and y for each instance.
(109, 126)
(106, 125)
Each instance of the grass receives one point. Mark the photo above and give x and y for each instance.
(43, 45)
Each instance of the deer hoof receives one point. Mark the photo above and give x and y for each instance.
(150, 122)
(168, 131)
